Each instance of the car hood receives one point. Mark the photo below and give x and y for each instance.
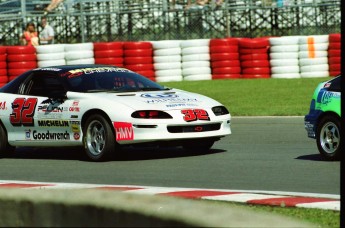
(161, 100)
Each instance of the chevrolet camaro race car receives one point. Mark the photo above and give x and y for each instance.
(323, 120)
(102, 108)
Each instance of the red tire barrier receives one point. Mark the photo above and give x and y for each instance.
(224, 56)
(21, 57)
(226, 76)
(224, 42)
(256, 43)
(13, 73)
(108, 53)
(226, 70)
(334, 60)
(138, 60)
(21, 50)
(335, 67)
(137, 45)
(257, 71)
(3, 65)
(255, 56)
(256, 76)
(21, 65)
(3, 50)
(255, 63)
(3, 79)
(334, 45)
(2, 84)
(224, 49)
(225, 63)
(334, 37)
(334, 73)
(334, 53)
(138, 53)
(147, 73)
(3, 57)
(140, 67)
(253, 51)
(109, 61)
(102, 46)
(3, 72)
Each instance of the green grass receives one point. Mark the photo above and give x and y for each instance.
(317, 217)
(257, 97)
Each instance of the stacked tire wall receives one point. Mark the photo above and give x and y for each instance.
(334, 54)
(225, 60)
(198, 59)
(3, 67)
(138, 57)
(167, 60)
(254, 58)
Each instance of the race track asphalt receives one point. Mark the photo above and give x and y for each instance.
(263, 153)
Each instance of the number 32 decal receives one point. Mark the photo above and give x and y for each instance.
(23, 112)
(195, 114)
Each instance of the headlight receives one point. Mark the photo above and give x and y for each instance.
(151, 114)
(220, 110)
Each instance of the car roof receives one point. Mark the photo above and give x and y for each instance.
(66, 68)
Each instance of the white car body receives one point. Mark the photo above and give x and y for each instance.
(41, 121)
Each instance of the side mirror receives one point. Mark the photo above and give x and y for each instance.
(58, 95)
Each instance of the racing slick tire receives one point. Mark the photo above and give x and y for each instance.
(99, 138)
(328, 137)
(5, 148)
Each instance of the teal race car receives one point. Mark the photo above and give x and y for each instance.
(323, 120)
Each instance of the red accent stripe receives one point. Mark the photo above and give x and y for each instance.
(117, 188)
(16, 185)
(288, 201)
(196, 194)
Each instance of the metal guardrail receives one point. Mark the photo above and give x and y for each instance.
(109, 20)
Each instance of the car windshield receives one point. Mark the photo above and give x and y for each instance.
(108, 80)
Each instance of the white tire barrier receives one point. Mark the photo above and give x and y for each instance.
(285, 69)
(195, 59)
(319, 74)
(52, 48)
(80, 61)
(314, 52)
(74, 55)
(169, 79)
(286, 75)
(167, 60)
(284, 57)
(198, 77)
(79, 47)
(165, 44)
(48, 63)
(51, 56)
(167, 52)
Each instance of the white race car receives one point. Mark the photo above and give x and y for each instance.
(103, 107)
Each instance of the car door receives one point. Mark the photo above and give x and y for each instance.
(41, 115)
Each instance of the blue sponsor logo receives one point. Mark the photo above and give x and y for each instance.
(159, 96)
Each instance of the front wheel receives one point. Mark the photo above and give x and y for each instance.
(328, 138)
(5, 148)
(99, 139)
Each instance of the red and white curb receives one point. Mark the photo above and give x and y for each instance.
(271, 198)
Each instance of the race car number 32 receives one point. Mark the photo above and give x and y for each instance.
(194, 114)
(23, 112)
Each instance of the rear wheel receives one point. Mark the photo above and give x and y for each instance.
(328, 138)
(5, 148)
(99, 139)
